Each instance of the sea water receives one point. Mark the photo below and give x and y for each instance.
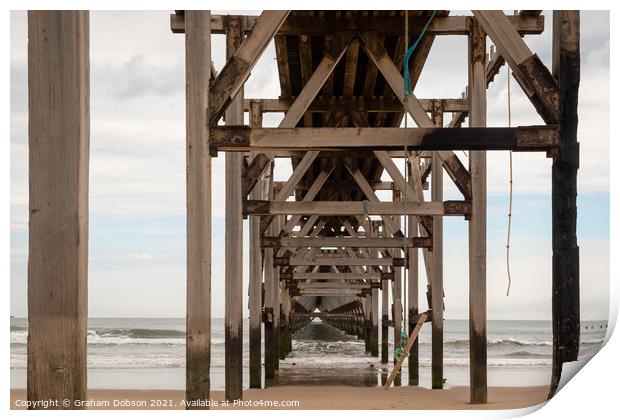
(149, 353)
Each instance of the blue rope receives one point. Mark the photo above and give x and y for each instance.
(407, 79)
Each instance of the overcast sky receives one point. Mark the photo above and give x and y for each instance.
(137, 174)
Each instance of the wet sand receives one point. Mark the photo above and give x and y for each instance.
(321, 397)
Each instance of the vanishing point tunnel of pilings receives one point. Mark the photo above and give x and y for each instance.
(336, 247)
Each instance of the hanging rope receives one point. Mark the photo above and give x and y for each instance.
(510, 194)
(408, 91)
(409, 53)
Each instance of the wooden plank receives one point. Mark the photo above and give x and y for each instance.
(58, 146)
(345, 208)
(385, 25)
(340, 241)
(349, 104)
(533, 76)
(328, 261)
(238, 67)
(477, 223)
(255, 287)
(565, 284)
(524, 138)
(336, 284)
(330, 276)
(410, 340)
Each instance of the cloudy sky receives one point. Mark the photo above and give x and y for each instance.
(137, 167)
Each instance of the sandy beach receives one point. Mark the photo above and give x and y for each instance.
(320, 398)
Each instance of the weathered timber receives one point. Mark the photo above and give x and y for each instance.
(336, 276)
(198, 342)
(238, 66)
(410, 340)
(565, 272)
(533, 76)
(339, 261)
(361, 104)
(258, 165)
(310, 25)
(255, 286)
(233, 275)
(344, 208)
(332, 241)
(58, 146)
(437, 270)
(478, 221)
(524, 138)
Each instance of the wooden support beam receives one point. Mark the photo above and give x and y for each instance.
(361, 104)
(335, 276)
(565, 284)
(58, 146)
(238, 66)
(410, 193)
(412, 303)
(437, 267)
(345, 208)
(336, 284)
(378, 54)
(198, 342)
(524, 138)
(255, 292)
(339, 241)
(339, 261)
(410, 340)
(259, 163)
(477, 222)
(361, 181)
(310, 25)
(317, 80)
(533, 76)
(315, 188)
(397, 307)
(234, 239)
(437, 280)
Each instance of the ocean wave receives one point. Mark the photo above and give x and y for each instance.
(501, 342)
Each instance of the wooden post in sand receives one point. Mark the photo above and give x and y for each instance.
(412, 302)
(197, 71)
(58, 145)
(397, 308)
(477, 223)
(234, 236)
(565, 297)
(385, 302)
(437, 260)
(256, 266)
(271, 277)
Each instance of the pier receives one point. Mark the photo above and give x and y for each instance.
(325, 243)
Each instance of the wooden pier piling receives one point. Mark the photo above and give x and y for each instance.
(234, 237)
(58, 147)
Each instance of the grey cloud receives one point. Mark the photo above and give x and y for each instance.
(138, 77)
